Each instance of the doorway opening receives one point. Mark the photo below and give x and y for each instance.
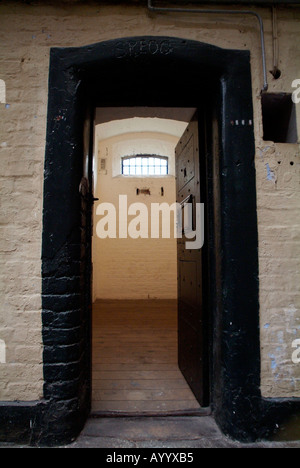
(164, 72)
(139, 325)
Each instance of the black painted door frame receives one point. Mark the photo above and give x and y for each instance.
(140, 71)
(151, 71)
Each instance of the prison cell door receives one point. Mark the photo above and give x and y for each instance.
(189, 260)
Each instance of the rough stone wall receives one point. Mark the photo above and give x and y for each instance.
(26, 34)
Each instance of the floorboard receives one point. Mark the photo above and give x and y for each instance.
(135, 358)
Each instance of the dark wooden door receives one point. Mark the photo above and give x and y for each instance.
(190, 291)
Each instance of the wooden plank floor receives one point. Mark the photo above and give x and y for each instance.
(135, 358)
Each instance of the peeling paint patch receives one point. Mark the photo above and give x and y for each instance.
(291, 318)
(261, 151)
(280, 337)
(273, 361)
(270, 174)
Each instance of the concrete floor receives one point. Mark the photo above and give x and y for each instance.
(157, 432)
(186, 432)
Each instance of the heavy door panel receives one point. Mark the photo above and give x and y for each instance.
(190, 304)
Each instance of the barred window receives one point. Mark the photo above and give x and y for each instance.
(145, 164)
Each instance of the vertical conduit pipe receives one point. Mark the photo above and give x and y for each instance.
(275, 72)
(153, 8)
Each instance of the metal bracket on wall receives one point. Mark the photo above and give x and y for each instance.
(153, 8)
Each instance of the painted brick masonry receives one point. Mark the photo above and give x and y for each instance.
(27, 33)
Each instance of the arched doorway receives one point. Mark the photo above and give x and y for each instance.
(154, 72)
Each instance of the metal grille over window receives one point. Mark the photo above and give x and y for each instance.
(147, 165)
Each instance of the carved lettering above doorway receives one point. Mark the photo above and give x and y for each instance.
(136, 48)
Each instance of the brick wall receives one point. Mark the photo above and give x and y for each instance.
(27, 32)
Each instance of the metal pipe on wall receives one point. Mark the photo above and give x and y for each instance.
(275, 72)
(153, 8)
